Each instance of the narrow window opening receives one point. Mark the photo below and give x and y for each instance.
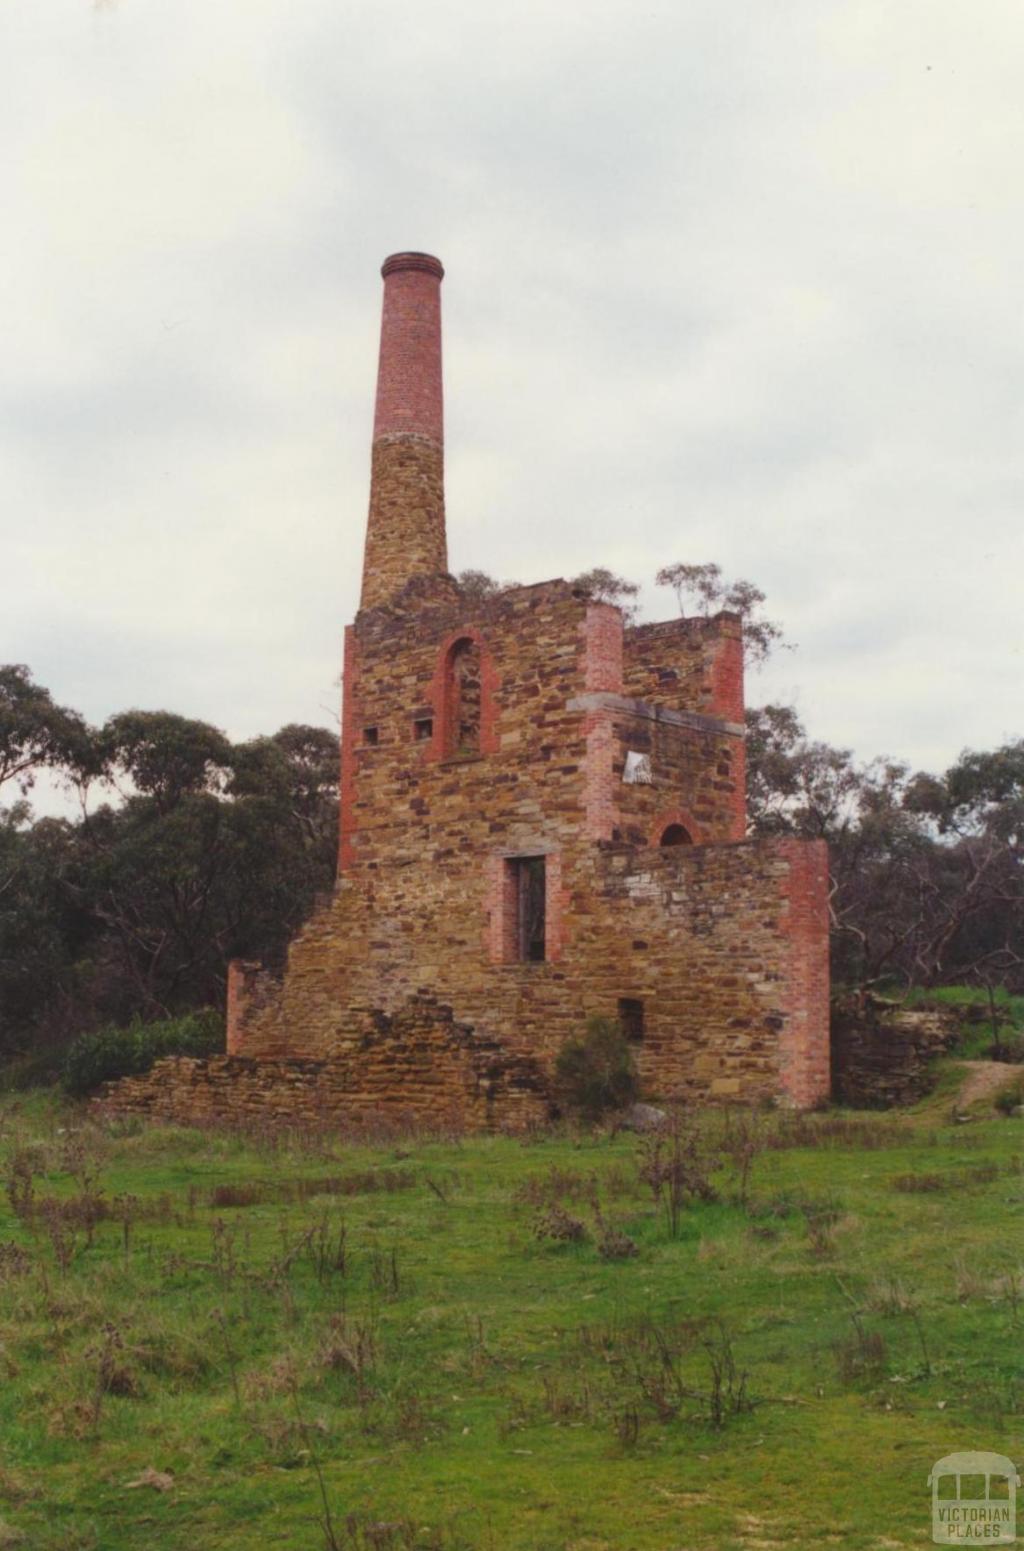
(464, 698)
(676, 835)
(422, 729)
(371, 736)
(631, 1019)
(531, 908)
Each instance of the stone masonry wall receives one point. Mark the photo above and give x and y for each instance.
(688, 664)
(883, 1054)
(724, 943)
(407, 532)
(697, 780)
(719, 943)
(711, 940)
(419, 1066)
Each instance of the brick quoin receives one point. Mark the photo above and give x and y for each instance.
(599, 795)
(502, 905)
(603, 647)
(727, 670)
(727, 701)
(351, 738)
(738, 796)
(804, 1053)
(405, 992)
(555, 902)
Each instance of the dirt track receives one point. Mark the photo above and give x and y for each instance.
(983, 1080)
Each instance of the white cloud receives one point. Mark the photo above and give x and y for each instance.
(723, 282)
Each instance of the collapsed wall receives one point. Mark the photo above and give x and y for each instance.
(418, 1066)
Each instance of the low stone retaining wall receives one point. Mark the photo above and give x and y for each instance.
(418, 1065)
(883, 1055)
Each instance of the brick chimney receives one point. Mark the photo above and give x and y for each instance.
(405, 534)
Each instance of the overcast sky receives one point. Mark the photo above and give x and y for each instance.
(725, 281)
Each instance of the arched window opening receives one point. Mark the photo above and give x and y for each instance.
(676, 835)
(463, 689)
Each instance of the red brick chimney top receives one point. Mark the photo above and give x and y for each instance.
(405, 537)
(409, 397)
(424, 261)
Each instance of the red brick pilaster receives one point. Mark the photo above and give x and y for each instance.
(738, 800)
(602, 630)
(351, 734)
(554, 907)
(602, 673)
(804, 1042)
(599, 806)
(726, 673)
(502, 911)
(726, 682)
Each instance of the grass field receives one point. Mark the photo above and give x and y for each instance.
(763, 1336)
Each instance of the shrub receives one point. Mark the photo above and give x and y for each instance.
(860, 1356)
(596, 1073)
(31, 1069)
(113, 1052)
(558, 1224)
(1008, 1099)
(678, 1167)
(612, 1243)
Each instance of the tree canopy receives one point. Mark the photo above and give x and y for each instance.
(35, 732)
(203, 850)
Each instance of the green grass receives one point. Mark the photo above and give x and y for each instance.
(454, 1380)
(975, 1041)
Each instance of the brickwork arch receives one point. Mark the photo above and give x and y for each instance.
(463, 696)
(667, 827)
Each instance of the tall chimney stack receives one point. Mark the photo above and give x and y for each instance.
(405, 533)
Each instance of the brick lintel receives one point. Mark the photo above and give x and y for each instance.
(602, 700)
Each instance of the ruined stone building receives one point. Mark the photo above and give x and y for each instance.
(543, 818)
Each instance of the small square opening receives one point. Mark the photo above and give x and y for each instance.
(422, 729)
(371, 736)
(631, 1019)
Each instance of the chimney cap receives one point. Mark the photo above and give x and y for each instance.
(422, 261)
